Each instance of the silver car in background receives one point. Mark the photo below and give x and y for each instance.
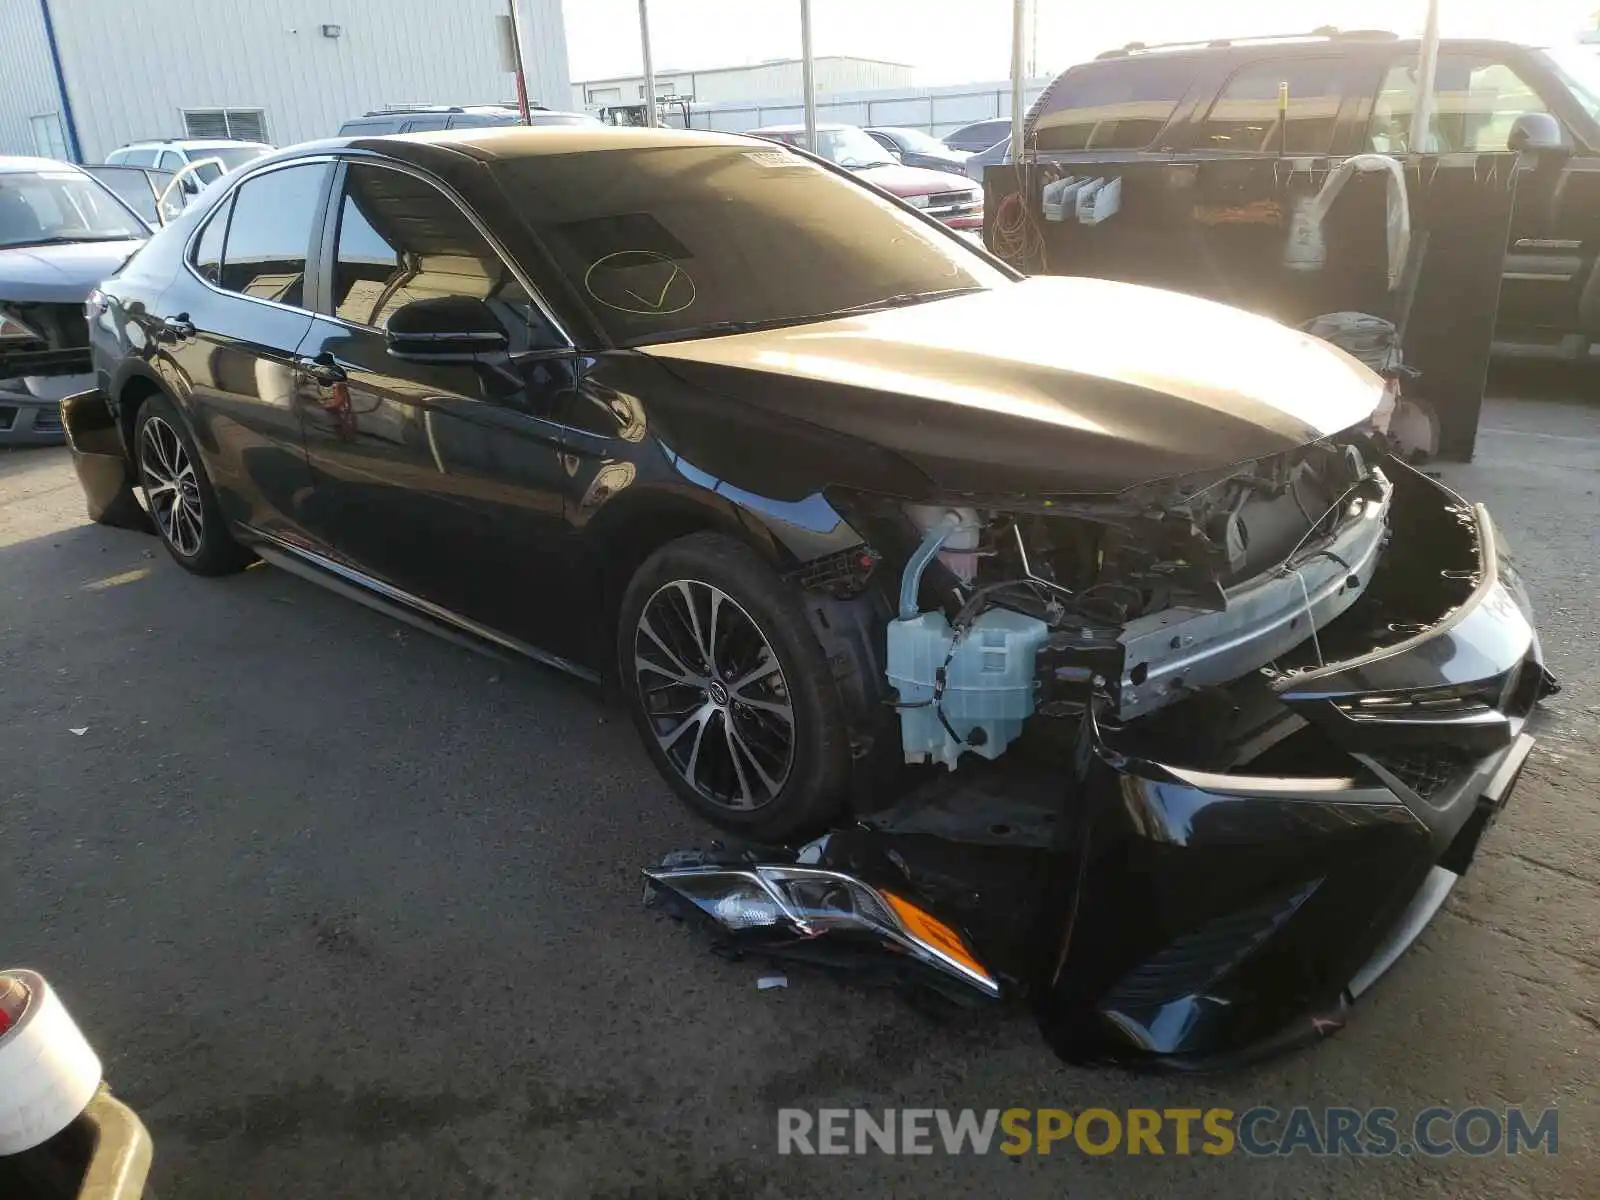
(61, 232)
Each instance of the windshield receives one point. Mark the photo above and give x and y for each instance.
(849, 147)
(1579, 69)
(664, 243)
(918, 142)
(61, 206)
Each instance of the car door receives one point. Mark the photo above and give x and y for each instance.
(438, 467)
(233, 321)
(1477, 97)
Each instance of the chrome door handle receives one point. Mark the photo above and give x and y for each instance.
(177, 328)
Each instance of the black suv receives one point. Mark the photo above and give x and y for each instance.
(1353, 92)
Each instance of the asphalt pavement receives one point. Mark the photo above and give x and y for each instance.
(350, 911)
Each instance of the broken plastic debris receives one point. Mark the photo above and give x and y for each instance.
(767, 982)
(811, 853)
(79, 732)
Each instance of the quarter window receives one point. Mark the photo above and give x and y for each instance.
(1476, 101)
(270, 233)
(1111, 106)
(208, 250)
(401, 239)
(170, 160)
(1246, 117)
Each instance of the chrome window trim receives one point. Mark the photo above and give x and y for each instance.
(227, 197)
(494, 243)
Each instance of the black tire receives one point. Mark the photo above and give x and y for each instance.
(188, 519)
(737, 786)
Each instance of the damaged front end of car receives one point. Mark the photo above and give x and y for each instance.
(1197, 761)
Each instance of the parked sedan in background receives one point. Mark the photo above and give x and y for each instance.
(842, 504)
(944, 195)
(917, 149)
(980, 135)
(61, 232)
(980, 162)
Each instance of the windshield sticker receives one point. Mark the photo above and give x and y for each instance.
(642, 282)
(774, 158)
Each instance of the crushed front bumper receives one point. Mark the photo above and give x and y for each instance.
(101, 461)
(1221, 882)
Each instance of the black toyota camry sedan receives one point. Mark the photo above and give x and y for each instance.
(847, 510)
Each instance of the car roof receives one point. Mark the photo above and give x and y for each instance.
(13, 164)
(191, 144)
(1309, 45)
(829, 126)
(493, 143)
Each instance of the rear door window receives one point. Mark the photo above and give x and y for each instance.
(1120, 105)
(1476, 101)
(423, 124)
(270, 233)
(170, 160)
(138, 158)
(1247, 117)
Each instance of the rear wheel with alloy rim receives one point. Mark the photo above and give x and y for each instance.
(182, 502)
(730, 690)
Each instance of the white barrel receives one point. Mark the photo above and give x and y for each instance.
(48, 1071)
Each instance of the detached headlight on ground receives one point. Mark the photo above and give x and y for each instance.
(808, 902)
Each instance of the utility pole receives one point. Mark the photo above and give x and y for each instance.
(1427, 72)
(1019, 17)
(808, 80)
(649, 68)
(1033, 39)
(516, 58)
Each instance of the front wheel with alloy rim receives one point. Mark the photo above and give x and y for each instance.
(729, 689)
(182, 502)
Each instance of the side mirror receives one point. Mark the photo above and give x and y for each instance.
(190, 185)
(1537, 133)
(896, 154)
(445, 329)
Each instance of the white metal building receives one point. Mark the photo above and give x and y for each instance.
(78, 78)
(833, 73)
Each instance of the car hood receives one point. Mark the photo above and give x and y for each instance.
(914, 181)
(59, 274)
(1050, 385)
